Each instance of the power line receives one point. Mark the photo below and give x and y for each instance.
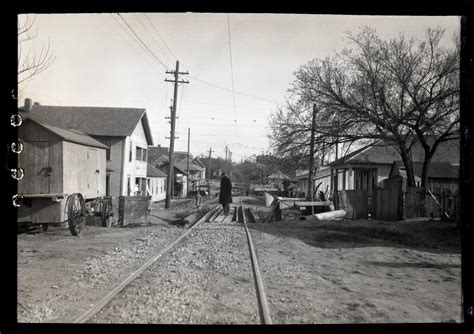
(153, 26)
(230, 90)
(225, 134)
(223, 125)
(150, 34)
(142, 43)
(232, 75)
(127, 33)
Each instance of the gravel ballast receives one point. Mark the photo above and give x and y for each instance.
(206, 279)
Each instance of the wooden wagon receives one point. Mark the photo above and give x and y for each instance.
(64, 177)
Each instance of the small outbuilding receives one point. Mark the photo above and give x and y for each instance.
(156, 183)
(64, 172)
(57, 160)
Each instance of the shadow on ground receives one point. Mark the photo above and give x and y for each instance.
(429, 235)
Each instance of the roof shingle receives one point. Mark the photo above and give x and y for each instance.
(99, 121)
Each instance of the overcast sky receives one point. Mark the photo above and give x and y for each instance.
(100, 62)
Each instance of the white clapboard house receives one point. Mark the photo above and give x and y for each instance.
(125, 131)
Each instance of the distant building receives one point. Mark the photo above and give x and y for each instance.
(156, 183)
(368, 166)
(443, 177)
(179, 180)
(126, 132)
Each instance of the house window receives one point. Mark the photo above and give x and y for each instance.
(141, 154)
(130, 153)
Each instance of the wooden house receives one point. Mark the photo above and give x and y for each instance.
(443, 177)
(125, 132)
(366, 167)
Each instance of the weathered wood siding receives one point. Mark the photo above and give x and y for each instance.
(41, 160)
(388, 202)
(354, 202)
(84, 170)
(133, 209)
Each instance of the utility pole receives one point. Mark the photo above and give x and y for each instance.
(209, 174)
(176, 81)
(187, 170)
(226, 166)
(336, 179)
(311, 158)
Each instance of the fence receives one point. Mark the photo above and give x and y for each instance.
(355, 203)
(392, 203)
(419, 203)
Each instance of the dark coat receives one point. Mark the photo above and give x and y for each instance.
(225, 193)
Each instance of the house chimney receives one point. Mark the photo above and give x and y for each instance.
(28, 104)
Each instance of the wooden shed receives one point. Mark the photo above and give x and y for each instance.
(59, 160)
(59, 164)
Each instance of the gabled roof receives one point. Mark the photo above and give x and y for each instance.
(198, 162)
(152, 171)
(156, 152)
(164, 167)
(160, 160)
(436, 170)
(378, 153)
(385, 153)
(184, 166)
(95, 121)
(70, 135)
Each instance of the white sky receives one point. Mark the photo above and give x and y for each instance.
(100, 63)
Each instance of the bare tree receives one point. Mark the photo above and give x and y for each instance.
(400, 91)
(32, 62)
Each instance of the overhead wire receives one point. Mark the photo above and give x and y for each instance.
(148, 50)
(232, 75)
(143, 43)
(159, 35)
(230, 90)
(150, 34)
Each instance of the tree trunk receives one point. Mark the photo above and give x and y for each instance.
(406, 158)
(426, 168)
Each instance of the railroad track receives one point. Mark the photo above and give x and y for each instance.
(213, 216)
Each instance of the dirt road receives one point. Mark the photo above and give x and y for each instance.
(314, 272)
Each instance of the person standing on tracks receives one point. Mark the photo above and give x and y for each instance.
(225, 193)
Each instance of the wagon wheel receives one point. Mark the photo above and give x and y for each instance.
(106, 213)
(75, 210)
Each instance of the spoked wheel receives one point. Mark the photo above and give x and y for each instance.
(75, 213)
(106, 213)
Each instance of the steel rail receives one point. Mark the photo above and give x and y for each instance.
(113, 293)
(261, 296)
